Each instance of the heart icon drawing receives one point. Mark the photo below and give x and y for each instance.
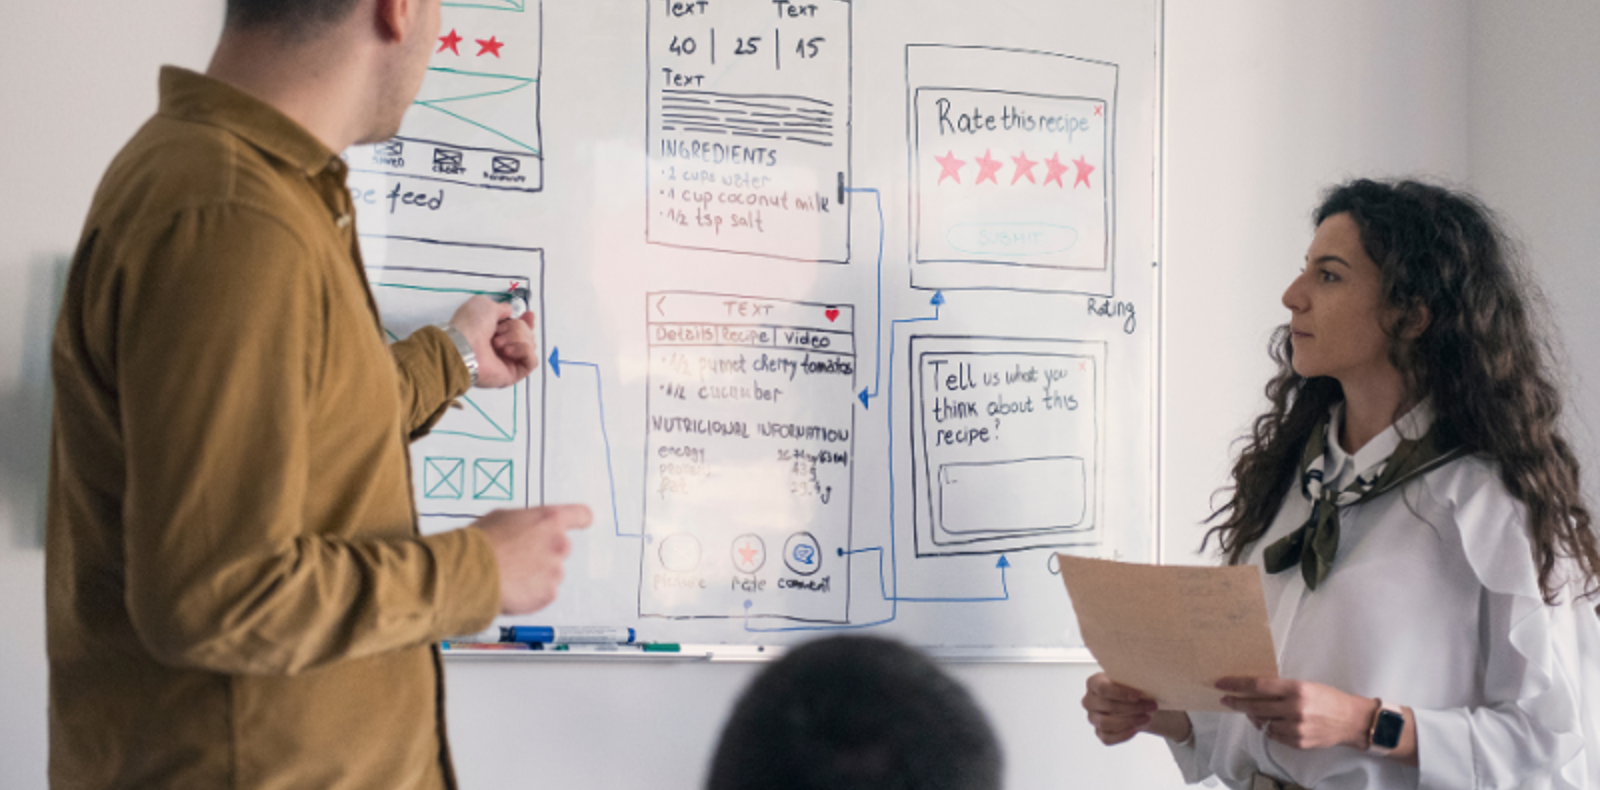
(832, 313)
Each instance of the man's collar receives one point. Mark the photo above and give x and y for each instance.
(189, 96)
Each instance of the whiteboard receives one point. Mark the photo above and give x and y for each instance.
(848, 308)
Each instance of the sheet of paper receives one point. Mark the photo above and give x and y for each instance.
(1172, 631)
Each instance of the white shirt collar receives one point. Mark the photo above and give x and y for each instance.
(1343, 467)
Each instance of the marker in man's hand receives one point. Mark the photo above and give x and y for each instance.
(518, 297)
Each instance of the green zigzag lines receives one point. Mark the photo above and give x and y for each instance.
(516, 389)
(521, 82)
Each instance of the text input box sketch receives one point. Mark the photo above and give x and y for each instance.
(476, 120)
(487, 450)
(1007, 443)
(978, 498)
(748, 458)
(1012, 169)
(749, 132)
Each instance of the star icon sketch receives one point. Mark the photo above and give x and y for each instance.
(1084, 169)
(987, 167)
(951, 166)
(1024, 168)
(490, 47)
(1057, 170)
(449, 42)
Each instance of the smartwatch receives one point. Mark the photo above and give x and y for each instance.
(1387, 724)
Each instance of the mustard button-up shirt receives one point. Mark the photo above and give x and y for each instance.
(238, 596)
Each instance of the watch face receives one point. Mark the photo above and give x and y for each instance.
(1387, 732)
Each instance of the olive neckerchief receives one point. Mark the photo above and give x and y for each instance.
(1314, 545)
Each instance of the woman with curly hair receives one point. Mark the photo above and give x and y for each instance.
(1430, 567)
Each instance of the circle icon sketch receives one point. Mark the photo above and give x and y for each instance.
(802, 553)
(680, 553)
(749, 553)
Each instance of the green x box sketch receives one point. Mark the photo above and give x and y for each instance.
(491, 478)
(444, 478)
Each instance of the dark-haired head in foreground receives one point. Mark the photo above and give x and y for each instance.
(855, 712)
(298, 18)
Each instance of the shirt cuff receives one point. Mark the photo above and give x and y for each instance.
(1193, 755)
(469, 579)
(437, 375)
(457, 378)
(1444, 749)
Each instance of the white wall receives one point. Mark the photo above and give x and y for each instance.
(76, 80)
(1267, 103)
(1535, 111)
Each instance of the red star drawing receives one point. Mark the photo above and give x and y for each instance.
(748, 552)
(1024, 168)
(1083, 366)
(1097, 110)
(1057, 170)
(1084, 169)
(491, 47)
(987, 168)
(951, 166)
(449, 42)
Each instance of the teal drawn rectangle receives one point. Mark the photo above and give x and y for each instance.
(500, 427)
(492, 478)
(444, 478)
(517, 6)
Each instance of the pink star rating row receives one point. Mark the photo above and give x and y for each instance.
(989, 167)
(488, 46)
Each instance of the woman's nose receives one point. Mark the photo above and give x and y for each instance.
(1294, 295)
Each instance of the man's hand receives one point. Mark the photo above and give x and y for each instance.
(1300, 713)
(529, 546)
(1119, 713)
(505, 347)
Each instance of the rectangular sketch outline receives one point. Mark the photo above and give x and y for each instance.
(537, 83)
(544, 404)
(911, 207)
(847, 178)
(849, 555)
(1105, 154)
(931, 544)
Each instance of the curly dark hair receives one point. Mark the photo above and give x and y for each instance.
(1480, 360)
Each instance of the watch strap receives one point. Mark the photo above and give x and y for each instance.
(468, 357)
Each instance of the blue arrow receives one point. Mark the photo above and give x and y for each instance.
(1005, 590)
(555, 366)
(866, 396)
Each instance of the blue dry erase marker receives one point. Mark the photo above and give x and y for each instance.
(568, 634)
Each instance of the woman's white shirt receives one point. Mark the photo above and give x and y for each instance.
(1433, 603)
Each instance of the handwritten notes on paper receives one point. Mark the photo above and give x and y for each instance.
(1170, 631)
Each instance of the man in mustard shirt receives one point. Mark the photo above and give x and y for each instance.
(238, 595)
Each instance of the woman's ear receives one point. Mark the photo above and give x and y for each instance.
(1415, 322)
